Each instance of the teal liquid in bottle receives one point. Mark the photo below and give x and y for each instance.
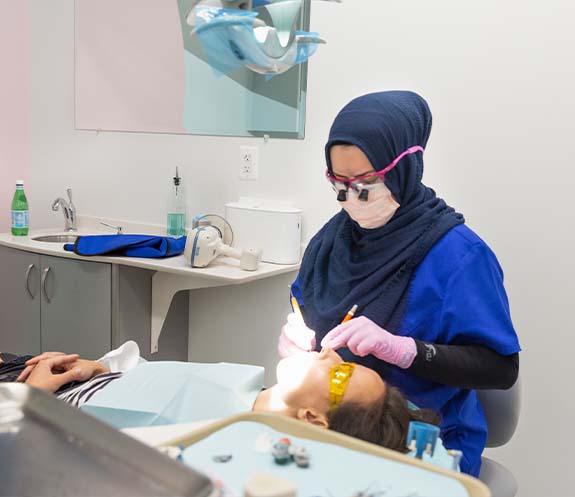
(20, 213)
(176, 224)
(176, 221)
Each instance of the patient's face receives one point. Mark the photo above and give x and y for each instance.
(303, 381)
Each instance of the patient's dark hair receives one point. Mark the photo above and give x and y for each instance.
(384, 422)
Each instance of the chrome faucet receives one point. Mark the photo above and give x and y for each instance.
(68, 209)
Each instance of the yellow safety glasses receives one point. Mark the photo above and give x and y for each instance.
(339, 376)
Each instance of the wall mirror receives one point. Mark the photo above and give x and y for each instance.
(138, 68)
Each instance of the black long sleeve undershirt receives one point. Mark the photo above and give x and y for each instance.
(465, 366)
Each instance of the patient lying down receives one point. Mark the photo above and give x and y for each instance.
(366, 407)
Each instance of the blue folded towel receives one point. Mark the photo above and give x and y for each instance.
(147, 246)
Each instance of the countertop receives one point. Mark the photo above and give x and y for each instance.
(222, 268)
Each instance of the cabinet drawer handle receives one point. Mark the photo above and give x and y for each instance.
(28, 271)
(44, 277)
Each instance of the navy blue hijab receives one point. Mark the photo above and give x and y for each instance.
(345, 264)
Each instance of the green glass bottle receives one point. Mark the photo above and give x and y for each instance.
(20, 215)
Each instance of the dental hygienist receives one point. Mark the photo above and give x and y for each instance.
(433, 317)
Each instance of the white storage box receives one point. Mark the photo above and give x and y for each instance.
(272, 226)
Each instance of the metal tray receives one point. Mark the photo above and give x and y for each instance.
(48, 448)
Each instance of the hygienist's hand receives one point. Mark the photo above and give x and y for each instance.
(295, 337)
(45, 374)
(31, 363)
(362, 337)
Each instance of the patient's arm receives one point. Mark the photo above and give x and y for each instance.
(51, 373)
(67, 364)
(31, 363)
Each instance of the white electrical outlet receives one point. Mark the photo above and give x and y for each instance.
(248, 163)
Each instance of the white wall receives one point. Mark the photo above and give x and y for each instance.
(500, 79)
(13, 102)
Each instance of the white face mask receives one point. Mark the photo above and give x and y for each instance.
(374, 212)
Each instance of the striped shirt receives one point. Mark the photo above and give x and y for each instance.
(78, 394)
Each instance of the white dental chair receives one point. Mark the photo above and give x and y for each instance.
(501, 409)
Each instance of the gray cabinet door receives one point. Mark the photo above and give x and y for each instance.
(76, 306)
(19, 301)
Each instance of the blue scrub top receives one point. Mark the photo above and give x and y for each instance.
(457, 297)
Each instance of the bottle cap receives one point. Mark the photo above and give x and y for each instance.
(20, 182)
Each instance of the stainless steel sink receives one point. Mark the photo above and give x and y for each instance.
(56, 238)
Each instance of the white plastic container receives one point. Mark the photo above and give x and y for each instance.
(272, 226)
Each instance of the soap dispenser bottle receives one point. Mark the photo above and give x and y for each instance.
(176, 225)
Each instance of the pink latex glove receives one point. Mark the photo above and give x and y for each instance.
(362, 337)
(295, 337)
